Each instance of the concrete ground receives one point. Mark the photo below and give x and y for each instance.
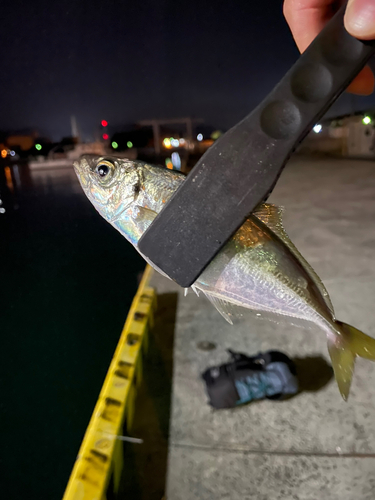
(314, 445)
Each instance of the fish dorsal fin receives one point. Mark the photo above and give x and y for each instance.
(271, 216)
(143, 217)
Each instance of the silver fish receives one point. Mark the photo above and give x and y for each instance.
(259, 268)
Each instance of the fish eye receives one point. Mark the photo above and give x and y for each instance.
(105, 169)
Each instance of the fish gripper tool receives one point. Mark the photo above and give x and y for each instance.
(239, 171)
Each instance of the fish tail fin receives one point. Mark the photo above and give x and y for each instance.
(343, 352)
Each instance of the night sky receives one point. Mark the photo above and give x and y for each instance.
(126, 61)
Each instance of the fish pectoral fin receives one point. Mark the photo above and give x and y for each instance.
(271, 216)
(222, 306)
(143, 217)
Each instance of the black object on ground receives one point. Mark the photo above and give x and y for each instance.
(270, 375)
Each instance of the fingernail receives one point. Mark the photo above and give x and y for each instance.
(360, 18)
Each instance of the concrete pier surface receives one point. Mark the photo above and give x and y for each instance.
(314, 445)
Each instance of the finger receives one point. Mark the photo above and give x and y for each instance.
(306, 18)
(363, 84)
(360, 19)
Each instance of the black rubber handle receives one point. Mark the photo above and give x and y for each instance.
(240, 170)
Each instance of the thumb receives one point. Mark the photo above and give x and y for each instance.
(360, 19)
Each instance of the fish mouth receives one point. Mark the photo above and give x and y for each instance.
(77, 169)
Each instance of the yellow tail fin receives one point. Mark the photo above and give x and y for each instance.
(343, 352)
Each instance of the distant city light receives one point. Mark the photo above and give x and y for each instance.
(114, 145)
(216, 134)
(4, 153)
(317, 128)
(104, 123)
(129, 144)
(175, 143)
(200, 137)
(105, 137)
(366, 120)
(38, 147)
(12, 153)
(168, 163)
(176, 160)
(167, 142)
(182, 142)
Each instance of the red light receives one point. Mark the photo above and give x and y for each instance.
(105, 136)
(104, 123)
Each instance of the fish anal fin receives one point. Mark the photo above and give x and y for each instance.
(223, 307)
(271, 216)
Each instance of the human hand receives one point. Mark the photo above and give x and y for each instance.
(306, 18)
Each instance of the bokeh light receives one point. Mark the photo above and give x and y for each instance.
(317, 128)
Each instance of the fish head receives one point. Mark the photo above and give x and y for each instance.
(111, 184)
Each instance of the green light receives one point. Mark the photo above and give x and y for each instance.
(38, 147)
(366, 120)
(114, 145)
(216, 134)
(129, 144)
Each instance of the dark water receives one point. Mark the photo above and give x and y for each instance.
(67, 279)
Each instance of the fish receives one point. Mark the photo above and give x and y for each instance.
(259, 268)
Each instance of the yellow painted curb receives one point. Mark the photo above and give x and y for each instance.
(101, 451)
